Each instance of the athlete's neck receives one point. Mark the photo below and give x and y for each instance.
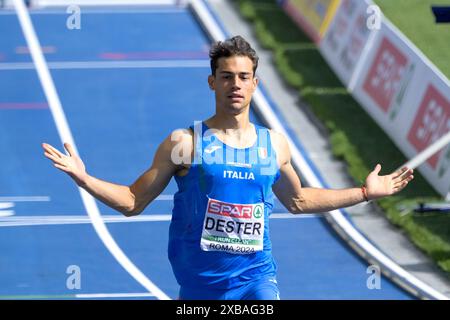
(222, 122)
(235, 130)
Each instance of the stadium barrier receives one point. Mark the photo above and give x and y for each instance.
(398, 86)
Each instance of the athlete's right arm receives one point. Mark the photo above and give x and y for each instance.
(129, 200)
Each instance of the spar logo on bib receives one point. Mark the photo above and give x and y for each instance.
(243, 211)
(233, 228)
(258, 211)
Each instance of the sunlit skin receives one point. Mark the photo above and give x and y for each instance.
(233, 83)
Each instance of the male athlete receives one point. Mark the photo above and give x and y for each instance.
(227, 171)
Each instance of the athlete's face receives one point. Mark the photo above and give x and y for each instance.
(233, 83)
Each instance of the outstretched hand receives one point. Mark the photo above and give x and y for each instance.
(70, 164)
(381, 186)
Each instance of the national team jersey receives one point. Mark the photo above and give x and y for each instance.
(219, 233)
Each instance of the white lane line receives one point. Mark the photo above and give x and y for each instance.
(26, 199)
(91, 10)
(162, 197)
(72, 296)
(425, 154)
(112, 295)
(150, 217)
(295, 216)
(6, 205)
(21, 221)
(118, 3)
(66, 220)
(144, 64)
(66, 136)
(6, 213)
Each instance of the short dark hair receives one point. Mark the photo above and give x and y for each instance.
(236, 46)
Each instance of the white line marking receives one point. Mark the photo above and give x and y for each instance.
(26, 199)
(6, 213)
(427, 152)
(66, 136)
(152, 217)
(72, 296)
(65, 220)
(6, 205)
(22, 221)
(295, 216)
(112, 295)
(144, 64)
(58, 3)
(147, 217)
(207, 20)
(90, 10)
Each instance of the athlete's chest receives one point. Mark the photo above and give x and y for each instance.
(222, 164)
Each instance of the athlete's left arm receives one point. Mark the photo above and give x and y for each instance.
(298, 199)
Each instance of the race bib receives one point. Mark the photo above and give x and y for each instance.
(233, 228)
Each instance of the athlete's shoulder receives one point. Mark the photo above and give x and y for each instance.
(281, 146)
(177, 147)
(183, 133)
(180, 137)
(278, 139)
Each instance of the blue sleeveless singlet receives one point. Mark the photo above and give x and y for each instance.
(219, 233)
